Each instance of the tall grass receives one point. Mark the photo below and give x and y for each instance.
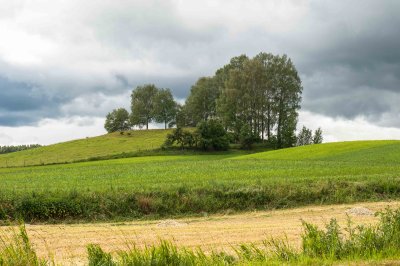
(16, 250)
(360, 242)
(319, 247)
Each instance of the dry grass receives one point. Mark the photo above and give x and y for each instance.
(67, 243)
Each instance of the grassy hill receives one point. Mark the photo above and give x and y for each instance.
(361, 151)
(190, 184)
(106, 145)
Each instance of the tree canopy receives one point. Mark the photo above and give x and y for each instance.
(117, 120)
(263, 92)
(251, 98)
(142, 105)
(165, 108)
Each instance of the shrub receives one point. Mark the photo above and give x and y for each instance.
(183, 138)
(212, 135)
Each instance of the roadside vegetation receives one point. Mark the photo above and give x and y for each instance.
(331, 245)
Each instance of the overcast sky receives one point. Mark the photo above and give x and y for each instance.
(65, 64)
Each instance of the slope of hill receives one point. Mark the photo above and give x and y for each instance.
(187, 184)
(106, 145)
(351, 151)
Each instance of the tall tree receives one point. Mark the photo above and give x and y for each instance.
(268, 105)
(230, 83)
(304, 137)
(317, 138)
(117, 120)
(200, 105)
(288, 88)
(165, 107)
(142, 105)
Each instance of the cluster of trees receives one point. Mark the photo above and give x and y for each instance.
(254, 99)
(259, 95)
(148, 104)
(306, 137)
(9, 149)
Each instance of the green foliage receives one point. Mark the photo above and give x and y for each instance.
(304, 137)
(317, 138)
(201, 103)
(9, 149)
(247, 137)
(97, 257)
(142, 105)
(165, 108)
(183, 138)
(212, 135)
(117, 120)
(18, 250)
(364, 242)
(263, 92)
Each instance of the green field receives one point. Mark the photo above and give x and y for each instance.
(194, 184)
(90, 148)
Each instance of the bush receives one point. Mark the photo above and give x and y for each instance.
(212, 135)
(183, 138)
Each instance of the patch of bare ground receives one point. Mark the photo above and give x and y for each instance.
(67, 243)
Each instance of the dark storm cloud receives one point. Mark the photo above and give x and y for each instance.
(22, 103)
(353, 68)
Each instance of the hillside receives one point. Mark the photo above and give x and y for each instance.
(190, 184)
(384, 151)
(106, 145)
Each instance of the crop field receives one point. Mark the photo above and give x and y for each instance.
(90, 148)
(160, 186)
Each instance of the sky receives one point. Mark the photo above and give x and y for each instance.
(65, 64)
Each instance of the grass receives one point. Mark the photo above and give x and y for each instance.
(101, 147)
(379, 151)
(332, 245)
(16, 249)
(160, 186)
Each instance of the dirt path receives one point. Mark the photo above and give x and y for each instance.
(67, 243)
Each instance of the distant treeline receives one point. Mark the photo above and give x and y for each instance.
(9, 149)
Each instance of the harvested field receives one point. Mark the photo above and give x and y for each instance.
(67, 243)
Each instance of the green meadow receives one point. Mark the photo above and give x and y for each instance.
(175, 185)
(114, 144)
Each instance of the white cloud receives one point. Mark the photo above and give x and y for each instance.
(49, 131)
(341, 129)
